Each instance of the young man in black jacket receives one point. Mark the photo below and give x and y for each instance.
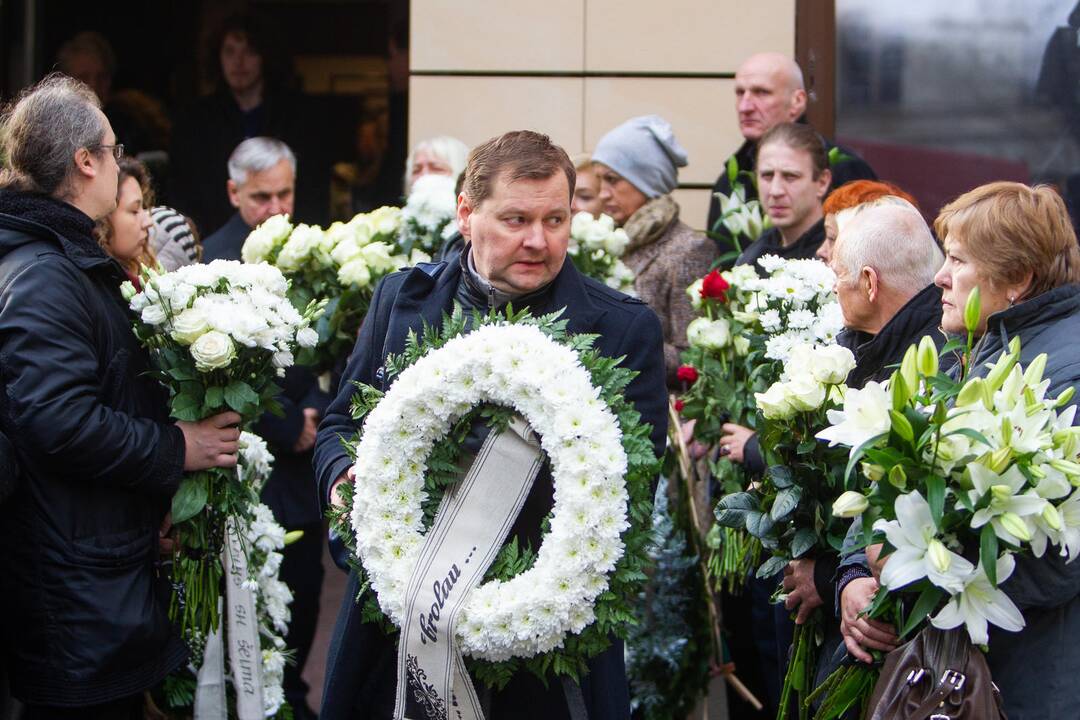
(99, 459)
(514, 213)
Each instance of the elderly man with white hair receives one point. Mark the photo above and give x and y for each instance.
(885, 259)
(769, 90)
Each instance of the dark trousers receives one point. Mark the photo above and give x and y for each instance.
(129, 708)
(773, 630)
(302, 571)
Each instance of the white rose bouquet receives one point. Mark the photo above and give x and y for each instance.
(219, 335)
(790, 510)
(427, 220)
(963, 477)
(340, 264)
(595, 248)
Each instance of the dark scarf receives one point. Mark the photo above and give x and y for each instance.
(64, 219)
(474, 292)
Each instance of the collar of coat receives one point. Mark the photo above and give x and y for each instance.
(649, 223)
(34, 216)
(429, 288)
(875, 354)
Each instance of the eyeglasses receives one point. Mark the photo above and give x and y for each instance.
(116, 150)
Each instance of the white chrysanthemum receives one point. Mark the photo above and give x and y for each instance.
(498, 364)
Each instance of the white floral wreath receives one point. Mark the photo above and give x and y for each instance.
(520, 367)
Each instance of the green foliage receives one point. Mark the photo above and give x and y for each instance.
(614, 608)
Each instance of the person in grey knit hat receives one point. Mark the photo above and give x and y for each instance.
(644, 151)
(638, 163)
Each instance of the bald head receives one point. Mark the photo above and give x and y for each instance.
(890, 236)
(769, 90)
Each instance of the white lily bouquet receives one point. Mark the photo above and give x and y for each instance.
(263, 539)
(966, 476)
(340, 264)
(596, 247)
(219, 335)
(741, 221)
(427, 220)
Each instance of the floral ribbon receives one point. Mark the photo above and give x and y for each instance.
(469, 529)
(245, 654)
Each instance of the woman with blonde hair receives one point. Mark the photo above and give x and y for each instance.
(1016, 244)
(586, 187)
(125, 232)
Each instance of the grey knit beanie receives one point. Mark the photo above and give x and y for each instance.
(645, 152)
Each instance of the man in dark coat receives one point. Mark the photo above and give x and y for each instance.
(515, 214)
(87, 628)
(251, 101)
(769, 90)
(261, 184)
(885, 258)
(262, 178)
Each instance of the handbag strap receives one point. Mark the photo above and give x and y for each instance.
(951, 681)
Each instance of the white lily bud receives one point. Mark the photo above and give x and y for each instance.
(850, 504)
(1015, 525)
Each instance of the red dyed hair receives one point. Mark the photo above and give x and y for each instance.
(858, 192)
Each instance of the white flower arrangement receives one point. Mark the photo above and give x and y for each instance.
(596, 247)
(428, 216)
(517, 366)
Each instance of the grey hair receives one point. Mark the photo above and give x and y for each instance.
(450, 150)
(890, 236)
(258, 154)
(44, 129)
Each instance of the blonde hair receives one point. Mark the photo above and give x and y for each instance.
(1012, 230)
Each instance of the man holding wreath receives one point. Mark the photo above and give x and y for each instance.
(514, 213)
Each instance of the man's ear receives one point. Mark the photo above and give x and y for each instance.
(234, 193)
(798, 104)
(870, 283)
(464, 216)
(824, 180)
(84, 163)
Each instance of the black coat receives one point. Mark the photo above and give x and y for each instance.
(850, 167)
(1036, 667)
(362, 662)
(99, 461)
(226, 242)
(288, 491)
(205, 135)
(771, 243)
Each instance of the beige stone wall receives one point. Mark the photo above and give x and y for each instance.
(576, 68)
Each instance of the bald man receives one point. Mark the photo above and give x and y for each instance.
(769, 90)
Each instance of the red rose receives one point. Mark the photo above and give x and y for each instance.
(715, 286)
(679, 405)
(687, 374)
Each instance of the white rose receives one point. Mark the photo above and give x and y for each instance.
(387, 219)
(377, 256)
(212, 351)
(595, 236)
(345, 251)
(741, 345)
(189, 325)
(581, 224)
(806, 394)
(775, 403)
(709, 334)
(153, 315)
(616, 242)
(256, 247)
(307, 337)
(694, 292)
(355, 272)
(831, 364)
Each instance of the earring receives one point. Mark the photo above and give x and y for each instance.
(1012, 300)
